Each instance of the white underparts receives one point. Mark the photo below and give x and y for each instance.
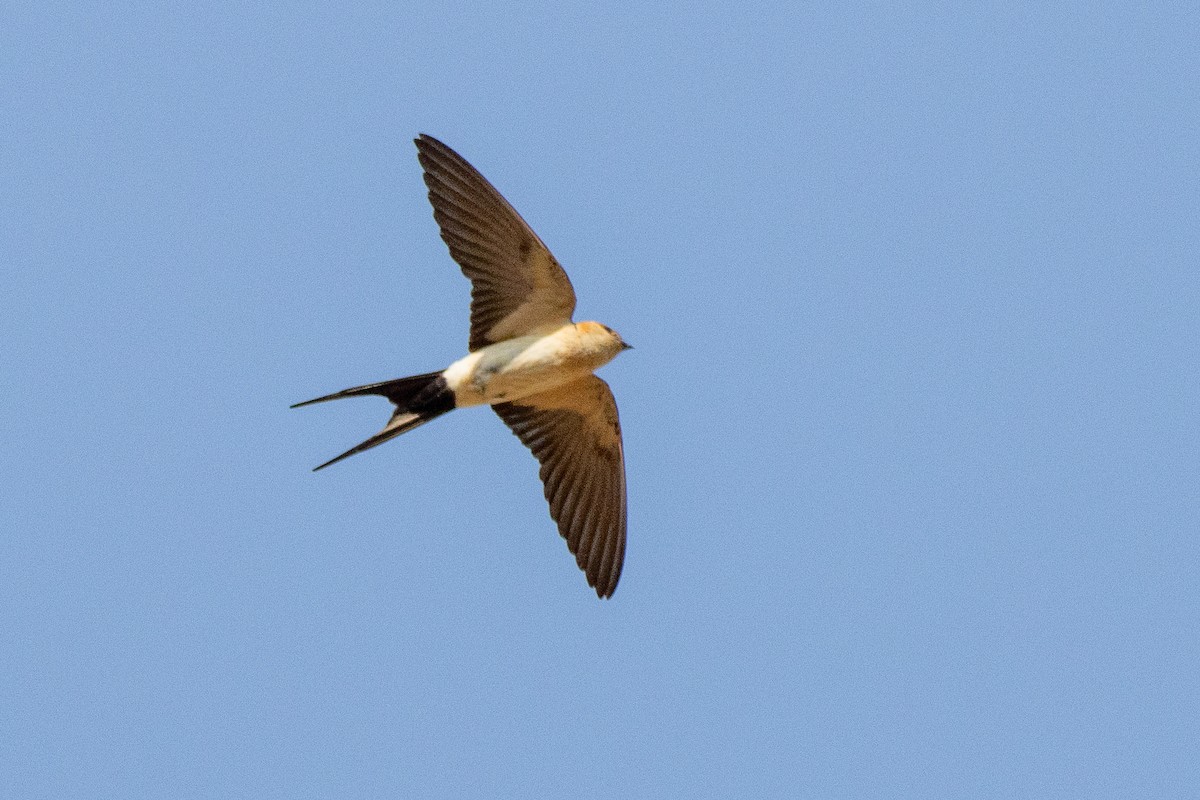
(515, 368)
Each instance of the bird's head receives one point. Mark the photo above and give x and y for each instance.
(602, 338)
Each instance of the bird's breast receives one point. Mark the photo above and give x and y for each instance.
(512, 369)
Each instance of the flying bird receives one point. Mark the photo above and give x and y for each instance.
(527, 360)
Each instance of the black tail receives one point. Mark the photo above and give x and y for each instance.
(418, 399)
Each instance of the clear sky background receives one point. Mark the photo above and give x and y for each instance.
(911, 422)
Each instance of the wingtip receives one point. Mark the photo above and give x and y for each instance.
(605, 589)
(424, 139)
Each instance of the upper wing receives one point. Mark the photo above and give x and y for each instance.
(575, 434)
(516, 284)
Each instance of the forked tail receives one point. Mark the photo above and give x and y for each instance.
(418, 399)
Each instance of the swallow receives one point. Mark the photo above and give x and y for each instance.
(527, 360)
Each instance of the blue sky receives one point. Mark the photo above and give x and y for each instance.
(911, 425)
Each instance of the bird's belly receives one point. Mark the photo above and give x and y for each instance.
(507, 371)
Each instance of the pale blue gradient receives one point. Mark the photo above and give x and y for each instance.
(911, 425)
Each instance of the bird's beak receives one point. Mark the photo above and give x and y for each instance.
(626, 346)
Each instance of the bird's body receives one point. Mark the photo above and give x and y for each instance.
(516, 368)
(527, 360)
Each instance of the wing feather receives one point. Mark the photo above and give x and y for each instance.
(517, 285)
(575, 433)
